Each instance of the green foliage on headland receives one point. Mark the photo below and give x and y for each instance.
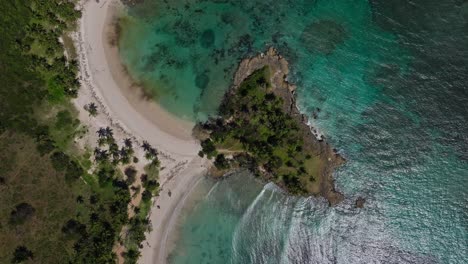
(51, 209)
(259, 134)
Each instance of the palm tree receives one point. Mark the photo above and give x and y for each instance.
(153, 151)
(113, 147)
(116, 156)
(102, 132)
(123, 152)
(100, 154)
(92, 109)
(124, 156)
(146, 146)
(148, 156)
(109, 132)
(128, 143)
(97, 151)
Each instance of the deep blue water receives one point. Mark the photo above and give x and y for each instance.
(388, 82)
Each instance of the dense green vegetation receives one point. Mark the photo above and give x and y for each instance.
(54, 206)
(139, 223)
(254, 128)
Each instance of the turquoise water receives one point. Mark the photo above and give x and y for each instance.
(213, 221)
(388, 82)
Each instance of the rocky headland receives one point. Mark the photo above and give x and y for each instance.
(324, 157)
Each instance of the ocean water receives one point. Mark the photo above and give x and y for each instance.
(388, 83)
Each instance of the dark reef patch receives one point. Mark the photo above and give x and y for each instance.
(207, 38)
(323, 36)
(186, 33)
(202, 80)
(243, 46)
(228, 18)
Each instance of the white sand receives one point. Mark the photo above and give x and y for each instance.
(122, 107)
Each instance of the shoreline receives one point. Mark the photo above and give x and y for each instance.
(170, 234)
(132, 91)
(123, 107)
(155, 248)
(121, 99)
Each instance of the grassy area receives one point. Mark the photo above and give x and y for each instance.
(152, 170)
(93, 209)
(69, 47)
(253, 122)
(30, 178)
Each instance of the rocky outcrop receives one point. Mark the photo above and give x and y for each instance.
(360, 202)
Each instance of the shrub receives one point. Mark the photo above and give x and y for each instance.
(292, 183)
(74, 171)
(221, 162)
(146, 196)
(64, 118)
(152, 169)
(131, 256)
(151, 185)
(208, 148)
(144, 178)
(21, 213)
(73, 228)
(105, 175)
(59, 160)
(45, 146)
(131, 173)
(274, 163)
(21, 254)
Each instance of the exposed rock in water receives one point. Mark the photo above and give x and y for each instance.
(360, 202)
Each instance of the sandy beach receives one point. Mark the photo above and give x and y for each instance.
(123, 107)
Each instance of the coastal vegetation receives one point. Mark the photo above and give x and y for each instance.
(57, 205)
(138, 224)
(254, 131)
